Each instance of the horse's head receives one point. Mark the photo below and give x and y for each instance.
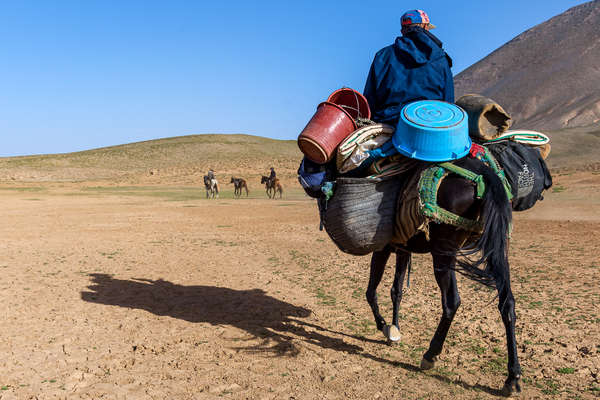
(232, 180)
(264, 179)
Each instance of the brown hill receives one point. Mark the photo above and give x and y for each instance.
(548, 77)
(182, 160)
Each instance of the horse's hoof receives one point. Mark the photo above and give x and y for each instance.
(392, 333)
(511, 386)
(426, 364)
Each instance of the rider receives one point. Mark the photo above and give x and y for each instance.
(414, 68)
(273, 175)
(211, 174)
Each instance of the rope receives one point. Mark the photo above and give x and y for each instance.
(429, 184)
(465, 173)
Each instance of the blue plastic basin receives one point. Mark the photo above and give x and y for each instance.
(432, 130)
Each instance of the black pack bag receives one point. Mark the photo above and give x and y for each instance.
(525, 170)
(312, 175)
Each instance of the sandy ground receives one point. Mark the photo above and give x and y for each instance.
(128, 296)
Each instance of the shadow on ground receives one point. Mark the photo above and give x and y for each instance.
(259, 314)
(276, 323)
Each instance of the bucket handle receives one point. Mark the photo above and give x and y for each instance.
(357, 109)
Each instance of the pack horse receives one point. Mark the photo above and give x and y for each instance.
(238, 185)
(484, 260)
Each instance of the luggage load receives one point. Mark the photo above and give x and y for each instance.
(359, 218)
(377, 185)
(354, 150)
(530, 138)
(326, 129)
(352, 101)
(312, 176)
(432, 130)
(487, 119)
(393, 165)
(333, 121)
(525, 170)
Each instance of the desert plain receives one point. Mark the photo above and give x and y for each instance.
(144, 289)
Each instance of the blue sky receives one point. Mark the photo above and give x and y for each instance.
(77, 75)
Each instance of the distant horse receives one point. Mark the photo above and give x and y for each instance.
(445, 243)
(272, 186)
(212, 187)
(239, 184)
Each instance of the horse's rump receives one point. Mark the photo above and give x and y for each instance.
(484, 231)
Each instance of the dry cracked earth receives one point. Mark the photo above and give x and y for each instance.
(149, 294)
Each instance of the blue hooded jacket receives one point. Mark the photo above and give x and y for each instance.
(414, 68)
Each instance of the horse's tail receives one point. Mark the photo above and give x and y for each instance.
(492, 246)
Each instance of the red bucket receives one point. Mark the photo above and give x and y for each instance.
(325, 131)
(352, 101)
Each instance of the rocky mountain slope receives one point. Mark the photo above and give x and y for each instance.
(547, 78)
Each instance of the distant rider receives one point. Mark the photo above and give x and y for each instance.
(211, 174)
(273, 175)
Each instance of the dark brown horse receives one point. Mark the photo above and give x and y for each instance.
(272, 186)
(445, 243)
(238, 185)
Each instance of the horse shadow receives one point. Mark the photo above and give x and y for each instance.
(264, 317)
(276, 323)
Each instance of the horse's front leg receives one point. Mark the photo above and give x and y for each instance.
(378, 262)
(446, 279)
(507, 310)
(402, 263)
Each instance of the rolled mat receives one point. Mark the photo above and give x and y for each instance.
(530, 138)
(487, 119)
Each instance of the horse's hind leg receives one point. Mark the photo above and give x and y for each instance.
(378, 261)
(446, 279)
(402, 263)
(509, 317)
